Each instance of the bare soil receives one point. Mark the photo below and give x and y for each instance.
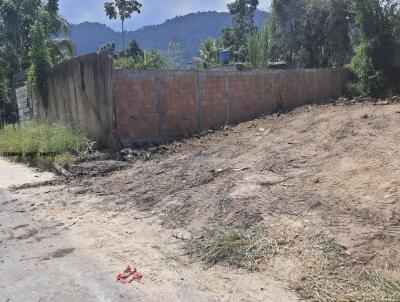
(317, 175)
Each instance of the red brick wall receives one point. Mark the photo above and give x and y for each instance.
(213, 105)
(242, 97)
(270, 94)
(154, 106)
(178, 104)
(136, 107)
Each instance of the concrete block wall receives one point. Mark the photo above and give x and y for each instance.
(156, 106)
(80, 93)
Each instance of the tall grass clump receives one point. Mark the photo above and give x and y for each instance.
(380, 286)
(258, 47)
(36, 140)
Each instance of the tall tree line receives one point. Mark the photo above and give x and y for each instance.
(360, 34)
(316, 32)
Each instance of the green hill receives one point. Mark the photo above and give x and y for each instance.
(189, 31)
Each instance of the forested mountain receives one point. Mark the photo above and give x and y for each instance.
(189, 31)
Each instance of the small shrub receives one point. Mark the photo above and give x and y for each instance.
(150, 60)
(64, 160)
(124, 63)
(243, 249)
(330, 248)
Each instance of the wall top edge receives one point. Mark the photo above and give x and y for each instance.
(134, 72)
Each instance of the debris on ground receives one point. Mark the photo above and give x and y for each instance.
(129, 275)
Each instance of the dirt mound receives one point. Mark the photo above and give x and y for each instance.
(328, 171)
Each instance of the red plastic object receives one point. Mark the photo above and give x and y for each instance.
(129, 275)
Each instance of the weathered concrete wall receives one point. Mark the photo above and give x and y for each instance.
(80, 92)
(155, 106)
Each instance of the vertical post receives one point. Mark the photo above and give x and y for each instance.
(258, 92)
(280, 89)
(299, 73)
(315, 86)
(328, 84)
(226, 100)
(198, 104)
(160, 118)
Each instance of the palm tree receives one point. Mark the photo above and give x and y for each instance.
(209, 52)
(124, 9)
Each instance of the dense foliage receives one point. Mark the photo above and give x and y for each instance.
(258, 48)
(234, 37)
(136, 58)
(26, 42)
(376, 63)
(333, 33)
(315, 32)
(209, 53)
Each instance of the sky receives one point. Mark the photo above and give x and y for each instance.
(153, 11)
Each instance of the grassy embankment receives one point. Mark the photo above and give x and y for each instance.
(42, 144)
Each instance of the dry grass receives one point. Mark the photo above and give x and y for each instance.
(331, 282)
(332, 278)
(379, 286)
(244, 249)
(395, 218)
(344, 130)
(324, 285)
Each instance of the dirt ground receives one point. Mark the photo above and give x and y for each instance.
(325, 173)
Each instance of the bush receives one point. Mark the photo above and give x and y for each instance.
(150, 60)
(124, 63)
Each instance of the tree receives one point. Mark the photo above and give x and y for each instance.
(316, 32)
(44, 51)
(174, 54)
(326, 33)
(375, 63)
(17, 17)
(27, 31)
(134, 49)
(124, 10)
(234, 37)
(286, 28)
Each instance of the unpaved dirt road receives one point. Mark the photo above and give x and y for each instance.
(58, 243)
(13, 174)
